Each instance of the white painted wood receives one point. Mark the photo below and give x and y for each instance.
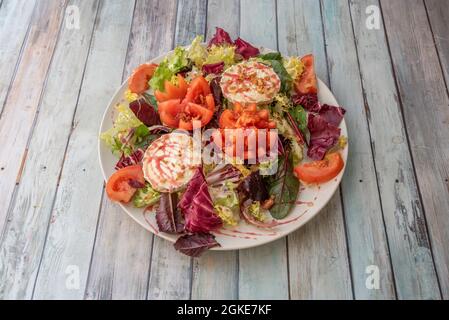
(400, 198)
(223, 14)
(122, 254)
(170, 276)
(215, 273)
(11, 45)
(425, 102)
(30, 211)
(23, 99)
(318, 257)
(72, 230)
(262, 270)
(171, 271)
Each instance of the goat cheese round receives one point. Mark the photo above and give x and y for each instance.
(168, 163)
(250, 82)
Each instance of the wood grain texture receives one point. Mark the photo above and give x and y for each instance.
(223, 14)
(20, 109)
(409, 246)
(439, 21)
(75, 212)
(122, 254)
(171, 272)
(10, 50)
(318, 258)
(262, 270)
(425, 104)
(31, 209)
(191, 20)
(215, 274)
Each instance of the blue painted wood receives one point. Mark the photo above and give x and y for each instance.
(262, 270)
(424, 100)
(318, 258)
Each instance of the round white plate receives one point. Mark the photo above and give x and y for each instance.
(311, 198)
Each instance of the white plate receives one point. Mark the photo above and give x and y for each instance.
(312, 198)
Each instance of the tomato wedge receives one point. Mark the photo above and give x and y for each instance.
(194, 112)
(179, 106)
(138, 82)
(307, 83)
(246, 117)
(322, 170)
(121, 185)
(198, 90)
(171, 91)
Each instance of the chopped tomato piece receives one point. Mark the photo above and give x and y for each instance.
(171, 91)
(121, 185)
(138, 82)
(198, 90)
(322, 170)
(307, 83)
(179, 106)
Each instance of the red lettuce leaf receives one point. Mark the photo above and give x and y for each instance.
(323, 136)
(197, 207)
(333, 115)
(145, 112)
(307, 101)
(245, 49)
(253, 187)
(194, 245)
(222, 174)
(215, 68)
(126, 161)
(168, 217)
(220, 37)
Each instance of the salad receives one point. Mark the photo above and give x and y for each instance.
(262, 133)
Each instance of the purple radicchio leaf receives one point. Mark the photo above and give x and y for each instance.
(145, 112)
(168, 217)
(215, 68)
(245, 49)
(253, 187)
(197, 206)
(223, 173)
(307, 101)
(126, 161)
(194, 245)
(220, 37)
(323, 136)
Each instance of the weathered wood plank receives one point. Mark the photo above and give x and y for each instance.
(74, 219)
(318, 257)
(397, 185)
(223, 14)
(262, 270)
(191, 20)
(425, 104)
(439, 21)
(10, 50)
(170, 276)
(20, 109)
(30, 211)
(215, 273)
(122, 254)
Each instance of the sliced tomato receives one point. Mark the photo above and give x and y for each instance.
(307, 83)
(198, 90)
(120, 185)
(138, 82)
(194, 112)
(228, 119)
(322, 170)
(172, 91)
(169, 112)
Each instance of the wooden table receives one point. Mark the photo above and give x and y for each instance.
(62, 239)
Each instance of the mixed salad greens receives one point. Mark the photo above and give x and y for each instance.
(222, 85)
